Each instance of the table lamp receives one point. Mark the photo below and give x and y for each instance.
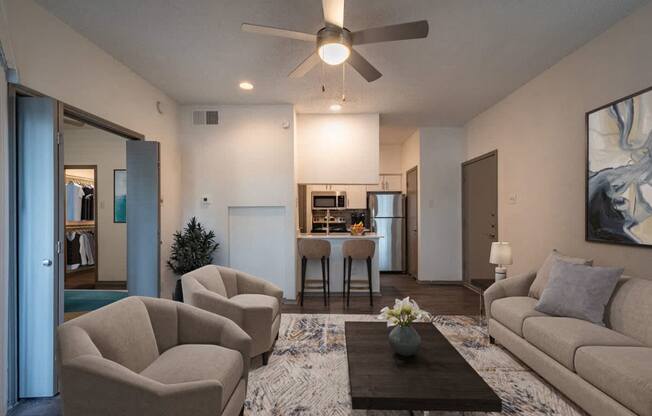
(501, 255)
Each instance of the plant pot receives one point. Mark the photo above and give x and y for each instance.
(404, 340)
(178, 292)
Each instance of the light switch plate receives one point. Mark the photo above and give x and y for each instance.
(512, 199)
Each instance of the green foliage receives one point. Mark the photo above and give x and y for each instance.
(192, 249)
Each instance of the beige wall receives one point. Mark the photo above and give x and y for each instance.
(539, 132)
(390, 158)
(57, 61)
(92, 146)
(247, 161)
(338, 148)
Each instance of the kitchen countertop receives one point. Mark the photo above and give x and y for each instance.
(340, 236)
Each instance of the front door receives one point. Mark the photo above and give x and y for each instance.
(479, 215)
(412, 195)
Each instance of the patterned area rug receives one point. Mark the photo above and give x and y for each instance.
(307, 373)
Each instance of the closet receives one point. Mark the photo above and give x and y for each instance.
(80, 245)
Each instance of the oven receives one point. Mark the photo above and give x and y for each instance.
(329, 200)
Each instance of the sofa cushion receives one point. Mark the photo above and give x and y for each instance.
(543, 275)
(512, 311)
(624, 373)
(561, 337)
(210, 278)
(260, 301)
(578, 291)
(630, 309)
(192, 362)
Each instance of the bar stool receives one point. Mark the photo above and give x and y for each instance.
(357, 250)
(312, 249)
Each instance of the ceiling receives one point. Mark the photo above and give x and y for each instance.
(478, 51)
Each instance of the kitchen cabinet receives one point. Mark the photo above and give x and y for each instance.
(357, 196)
(388, 183)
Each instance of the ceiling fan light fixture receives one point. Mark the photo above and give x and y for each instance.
(246, 85)
(334, 53)
(334, 45)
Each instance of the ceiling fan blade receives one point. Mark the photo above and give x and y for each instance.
(274, 31)
(403, 31)
(363, 67)
(305, 66)
(333, 12)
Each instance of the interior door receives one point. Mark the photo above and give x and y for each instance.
(143, 218)
(39, 254)
(412, 219)
(479, 215)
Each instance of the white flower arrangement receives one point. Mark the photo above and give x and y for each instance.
(404, 313)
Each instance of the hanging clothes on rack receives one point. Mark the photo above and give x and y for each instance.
(73, 256)
(80, 249)
(74, 197)
(86, 249)
(87, 210)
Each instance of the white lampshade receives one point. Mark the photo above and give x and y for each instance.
(501, 253)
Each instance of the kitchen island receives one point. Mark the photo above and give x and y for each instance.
(359, 268)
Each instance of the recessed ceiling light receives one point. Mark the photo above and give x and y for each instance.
(336, 107)
(246, 85)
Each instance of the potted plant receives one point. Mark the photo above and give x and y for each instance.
(404, 339)
(193, 248)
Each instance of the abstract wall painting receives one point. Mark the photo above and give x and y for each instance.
(119, 195)
(619, 172)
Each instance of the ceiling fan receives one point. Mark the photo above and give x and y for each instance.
(334, 42)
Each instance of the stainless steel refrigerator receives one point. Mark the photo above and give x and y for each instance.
(387, 218)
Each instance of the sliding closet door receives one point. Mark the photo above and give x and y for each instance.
(143, 218)
(38, 253)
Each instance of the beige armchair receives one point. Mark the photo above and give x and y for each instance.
(252, 303)
(145, 356)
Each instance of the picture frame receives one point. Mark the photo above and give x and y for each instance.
(119, 195)
(618, 172)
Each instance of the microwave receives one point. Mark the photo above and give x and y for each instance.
(328, 200)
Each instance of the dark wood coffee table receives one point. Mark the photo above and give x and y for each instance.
(437, 378)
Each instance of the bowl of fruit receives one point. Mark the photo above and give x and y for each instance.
(357, 229)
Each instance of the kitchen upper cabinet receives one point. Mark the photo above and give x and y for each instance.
(388, 183)
(357, 196)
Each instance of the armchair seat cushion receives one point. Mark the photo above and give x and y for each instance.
(561, 337)
(258, 301)
(512, 311)
(198, 362)
(624, 373)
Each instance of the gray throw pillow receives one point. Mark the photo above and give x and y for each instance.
(578, 291)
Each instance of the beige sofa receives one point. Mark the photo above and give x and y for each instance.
(252, 303)
(145, 356)
(605, 370)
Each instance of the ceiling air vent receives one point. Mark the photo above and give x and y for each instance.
(203, 118)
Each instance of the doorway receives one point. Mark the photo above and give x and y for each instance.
(412, 220)
(479, 215)
(38, 240)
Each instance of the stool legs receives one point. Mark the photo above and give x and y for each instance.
(328, 278)
(348, 294)
(323, 277)
(344, 279)
(371, 297)
(303, 277)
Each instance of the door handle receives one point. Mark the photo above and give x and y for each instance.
(46, 262)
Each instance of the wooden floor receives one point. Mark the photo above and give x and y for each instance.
(435, 298)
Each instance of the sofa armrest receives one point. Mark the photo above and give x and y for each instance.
(197, 326)
(91, 383)
(248, 284)
(512, 286)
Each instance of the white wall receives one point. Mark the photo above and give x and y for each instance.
(539, 131)
(442, 150)
(390, 158)
(338, 148)
(92, 146)
(57, 61)
(245, 161)
(410, 154)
